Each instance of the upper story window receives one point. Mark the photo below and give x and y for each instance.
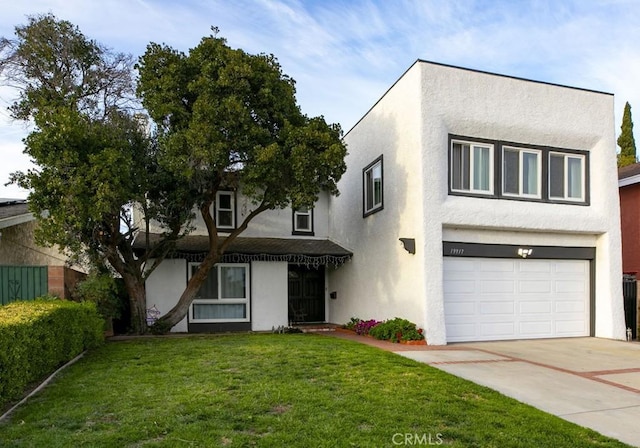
(372, 187)
(225, 210)
(521, 172)
(303, 221)
(471, 167)
(506, 170)
(566, 176)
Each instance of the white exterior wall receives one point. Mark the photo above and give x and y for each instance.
(164, 287)
(269, 295)
(410, 126)
(383, 280)
(270, 223)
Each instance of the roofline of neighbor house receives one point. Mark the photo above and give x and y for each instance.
(15, 220)
(424, 61)
(629, 180)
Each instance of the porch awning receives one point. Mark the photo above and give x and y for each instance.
(314, 252)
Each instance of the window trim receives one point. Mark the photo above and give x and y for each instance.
(376, 207)
(521, 151)
(217, 209)
(222, 301)
(544, 169)
(583, 186)
(296, 230)
(472, 143)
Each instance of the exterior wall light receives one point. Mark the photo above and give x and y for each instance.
(409, 244)
(524, 253)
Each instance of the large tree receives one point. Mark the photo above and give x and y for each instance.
(228, 119)
(93, 155)
(626, 142)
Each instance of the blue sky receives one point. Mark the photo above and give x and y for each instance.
(345, 54)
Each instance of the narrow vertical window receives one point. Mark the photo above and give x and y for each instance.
(303, 221)
(225, 210)
(373, 187)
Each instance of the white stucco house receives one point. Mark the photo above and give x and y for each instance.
(477, 205)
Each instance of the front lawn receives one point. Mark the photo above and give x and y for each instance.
(273, 391)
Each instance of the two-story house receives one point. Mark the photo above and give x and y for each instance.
(504, 193)
(479, 206)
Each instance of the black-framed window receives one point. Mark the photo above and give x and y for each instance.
(517, 171)
(303, 221)
(373, 187)
(225, 210)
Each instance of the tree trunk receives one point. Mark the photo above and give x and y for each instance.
(138, 303)
(179, 311)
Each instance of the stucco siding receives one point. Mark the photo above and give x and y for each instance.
(164, 287)
(17, 247)
(269, 295)
(383, 280)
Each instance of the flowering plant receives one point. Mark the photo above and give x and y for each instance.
(364, 326)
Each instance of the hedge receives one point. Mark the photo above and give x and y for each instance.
(38, 336)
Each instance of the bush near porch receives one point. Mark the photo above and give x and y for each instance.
(40, 335)
(394, 330)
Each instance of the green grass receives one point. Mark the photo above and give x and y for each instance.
(273, 391)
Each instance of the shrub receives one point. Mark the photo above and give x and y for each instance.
(364, 326)
(396, 330)
(40, 335)
(351, 325)
(102, 290)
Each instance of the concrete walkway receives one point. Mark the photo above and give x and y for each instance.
(592, 382)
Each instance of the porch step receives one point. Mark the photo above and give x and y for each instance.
(315, 328)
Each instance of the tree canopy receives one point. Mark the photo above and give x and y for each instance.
(626, 142)
(227, 119)
(215, 118)
(94, 158)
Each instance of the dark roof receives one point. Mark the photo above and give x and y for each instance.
(629, 171)
(13, 207)
(255, 247)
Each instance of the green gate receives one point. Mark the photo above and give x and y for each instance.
(22, 283)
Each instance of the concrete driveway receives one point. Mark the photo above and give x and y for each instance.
(589, 381)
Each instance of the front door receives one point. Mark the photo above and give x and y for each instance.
(306, 294)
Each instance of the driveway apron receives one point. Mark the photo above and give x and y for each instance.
(592, 382)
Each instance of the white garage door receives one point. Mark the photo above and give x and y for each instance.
(492, 299)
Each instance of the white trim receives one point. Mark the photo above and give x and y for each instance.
(218, 209)
(629, 180)
(309, 214)
(521, 152)
(473, 145)
(222, 301)
(565, 167)
(376, 205)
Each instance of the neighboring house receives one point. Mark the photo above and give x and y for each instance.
(19, 250)
(629, 188)
(276, 273)
(479, 206)
(505, 186)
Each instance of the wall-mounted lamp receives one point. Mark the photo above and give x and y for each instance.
(409, 244)
(524, 253)
(333, 295)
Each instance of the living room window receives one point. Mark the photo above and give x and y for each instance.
(224, 296)
(566, 177)
(521, 172)
(471, 167)
(303, 221)
(225, 210)
(373, 187)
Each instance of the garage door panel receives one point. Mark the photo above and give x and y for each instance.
(535, 307)
(497, 266)
(534, 286)
(497, 307)
(493, 299)
(497, 286)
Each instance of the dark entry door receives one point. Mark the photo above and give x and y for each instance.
(306, 294)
